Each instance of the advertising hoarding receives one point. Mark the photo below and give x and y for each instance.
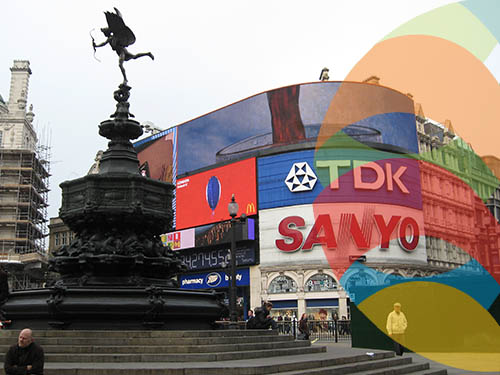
(183, 239)
(288, 115)
(338, 175)
(157, 156)
(306, 234)
(196, 259)
(209, 235)
(216, 279)
(202, 198)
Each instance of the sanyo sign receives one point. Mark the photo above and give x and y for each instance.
(307, 233)
(322, 232)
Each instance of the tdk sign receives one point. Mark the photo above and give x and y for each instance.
(300, 178)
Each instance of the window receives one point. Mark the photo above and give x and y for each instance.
(57, 239)
(282, 284)
(392, 277)
(321, 283)
(1, 138)
(360, 278)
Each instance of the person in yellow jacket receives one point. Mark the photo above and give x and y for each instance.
(396, 327)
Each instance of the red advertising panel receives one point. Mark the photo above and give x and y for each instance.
(203, 198)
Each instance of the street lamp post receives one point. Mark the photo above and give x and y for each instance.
(233, 211)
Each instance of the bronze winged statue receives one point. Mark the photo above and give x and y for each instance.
(119, 36)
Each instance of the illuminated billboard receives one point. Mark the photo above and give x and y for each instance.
(209, 235)
(157, 155)
(288, 115)
(338, 175)
(341, 233)
(196, 259)
(202, 198)
(182, 239)
(215, 279)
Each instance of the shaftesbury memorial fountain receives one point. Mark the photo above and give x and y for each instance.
(115, 274)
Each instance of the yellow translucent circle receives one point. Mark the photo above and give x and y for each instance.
(444, 324)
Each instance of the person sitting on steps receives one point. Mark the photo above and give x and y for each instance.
(25, 357)
(262, 320)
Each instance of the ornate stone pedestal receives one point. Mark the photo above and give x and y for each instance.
(115, 274)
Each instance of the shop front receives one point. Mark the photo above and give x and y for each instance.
(220, 280)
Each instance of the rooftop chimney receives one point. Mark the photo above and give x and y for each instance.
(19, 82)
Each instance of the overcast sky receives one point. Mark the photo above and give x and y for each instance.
(208, 54)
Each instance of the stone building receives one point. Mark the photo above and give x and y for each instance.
(24, 185)
(59, 234)
(455, 215)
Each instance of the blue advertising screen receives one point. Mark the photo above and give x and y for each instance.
(216, 279)
(272, 175)
(304, 177)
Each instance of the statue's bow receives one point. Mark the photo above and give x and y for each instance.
(94, 45)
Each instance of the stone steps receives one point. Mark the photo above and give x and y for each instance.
(360, 367)
(224, 352)
(173, 354)
(380, 364)
(161, 346)
(143, 334)
(73, 341)
(413, 368)
(134, 341)
(178, 357)
(393, 366)
(167, 349)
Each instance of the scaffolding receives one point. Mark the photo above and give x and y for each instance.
(24, 187)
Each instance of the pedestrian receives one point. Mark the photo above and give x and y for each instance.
(249, 315)
(262, 318)
(288, 325)
(304, 327)
(335, 325)
(25, 357)
(396, 327)
(323, 325)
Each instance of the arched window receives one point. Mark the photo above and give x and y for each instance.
(393, 276)
(321, 282)
(360, 278)
(282, 284)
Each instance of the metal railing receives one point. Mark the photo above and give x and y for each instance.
(322, 330)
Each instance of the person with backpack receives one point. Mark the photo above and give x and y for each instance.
(303, 328)
(262, 320)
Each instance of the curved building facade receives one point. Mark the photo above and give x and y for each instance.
(329, 174)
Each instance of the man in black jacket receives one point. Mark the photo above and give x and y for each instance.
(25, 357)
(262, 318)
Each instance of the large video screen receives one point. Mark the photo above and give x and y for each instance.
(203, 198)
(157, 155)
(293, 114)
(209, 235)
